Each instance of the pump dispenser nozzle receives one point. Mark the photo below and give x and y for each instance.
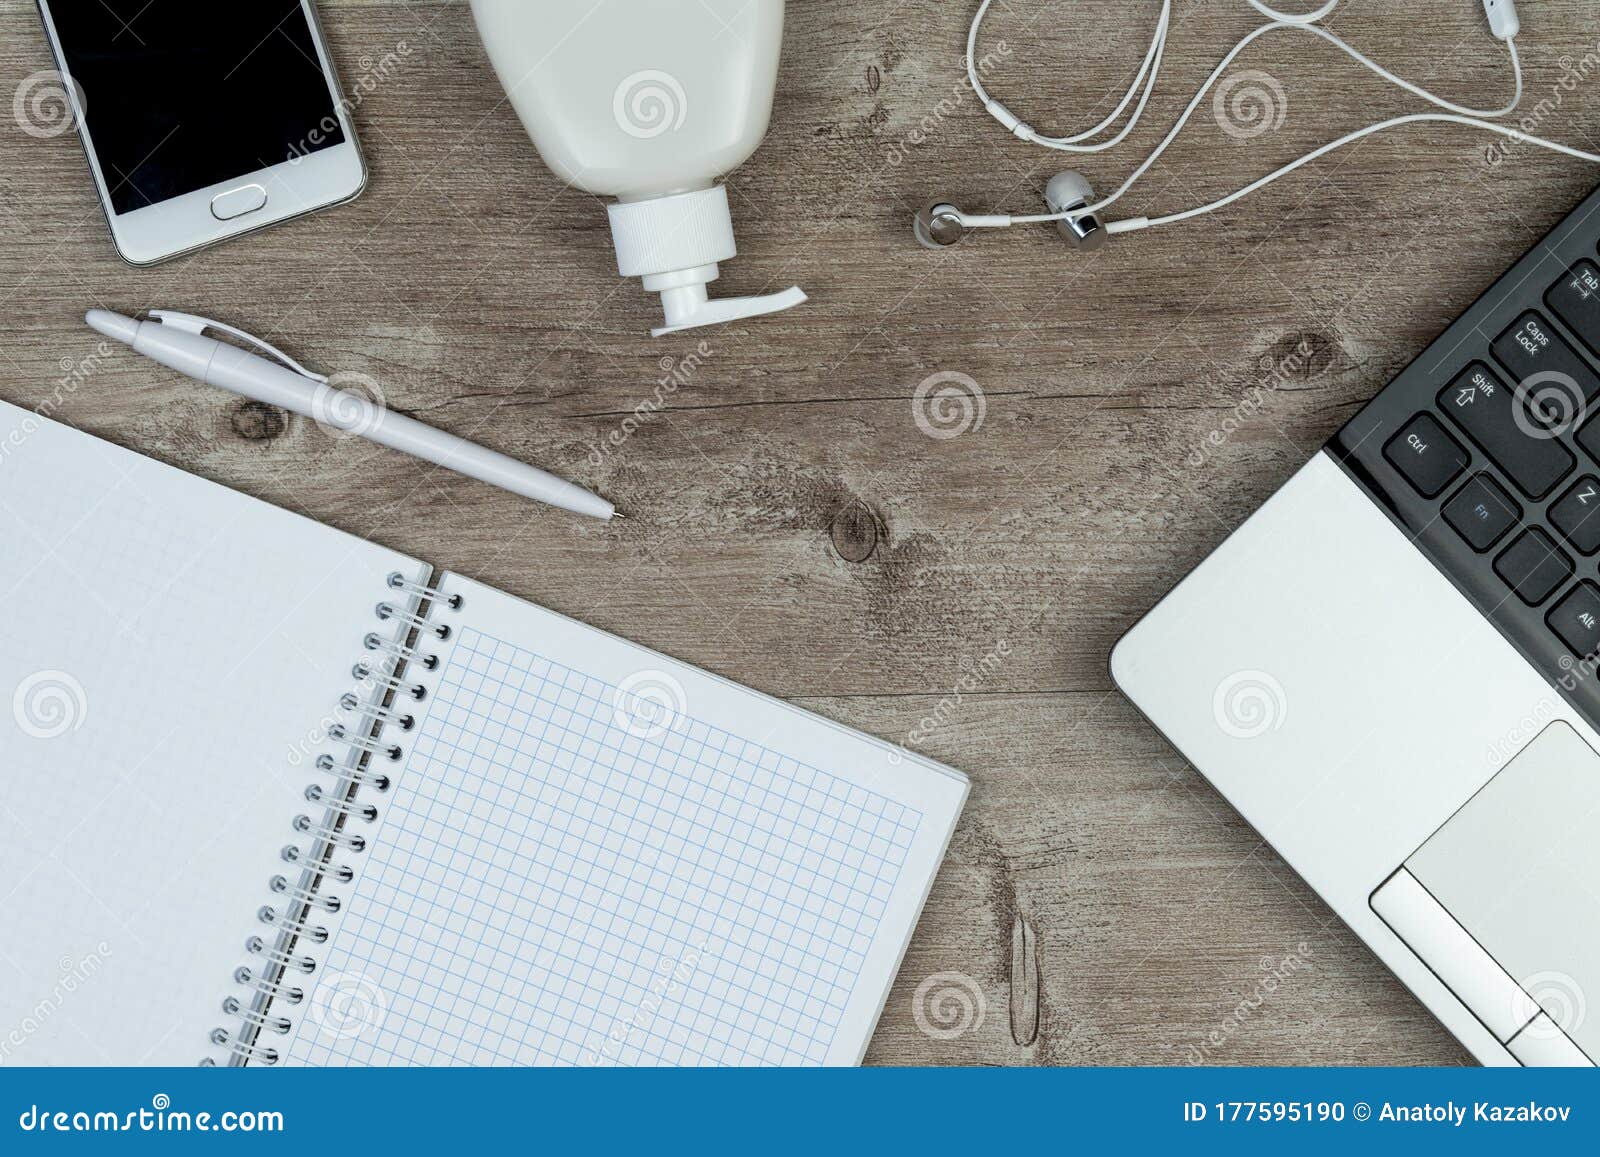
(674, 244)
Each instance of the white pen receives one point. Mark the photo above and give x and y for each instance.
(178, 341)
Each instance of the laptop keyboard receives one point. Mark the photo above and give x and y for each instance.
(1486, 449)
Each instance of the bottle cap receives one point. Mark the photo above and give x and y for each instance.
(674, 244)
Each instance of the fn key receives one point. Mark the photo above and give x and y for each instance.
(1481, 512)
(1428, 457)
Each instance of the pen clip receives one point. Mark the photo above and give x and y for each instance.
(191, 323)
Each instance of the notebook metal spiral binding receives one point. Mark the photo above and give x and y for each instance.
(278, 975)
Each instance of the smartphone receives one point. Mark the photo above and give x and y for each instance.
(203, 120)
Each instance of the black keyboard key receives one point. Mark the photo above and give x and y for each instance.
(1533, 566)
(1589, 437)
(1428, 457)
(1482, 512)
(1499, 423)
(1577, 515)
(1551, 376)
(1575, 299)
(1576, 619)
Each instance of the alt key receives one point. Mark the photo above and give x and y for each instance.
(1576, 620)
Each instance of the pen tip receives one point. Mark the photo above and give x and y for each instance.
(112, 325)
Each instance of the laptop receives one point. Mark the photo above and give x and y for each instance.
(1390, 668)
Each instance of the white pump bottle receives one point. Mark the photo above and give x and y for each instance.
(648, 101)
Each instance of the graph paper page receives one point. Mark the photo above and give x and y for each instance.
(596, 855)
(169, 649)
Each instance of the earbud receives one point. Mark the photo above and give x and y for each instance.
(1503, 20)
(938, 226)
(1066, 193)
(942, 224)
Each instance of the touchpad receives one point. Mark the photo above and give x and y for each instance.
(1519, 868)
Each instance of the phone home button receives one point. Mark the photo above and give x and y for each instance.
(237, 202)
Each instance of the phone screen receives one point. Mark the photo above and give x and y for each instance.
(182, 94)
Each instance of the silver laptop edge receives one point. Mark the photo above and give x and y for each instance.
(1345, 698)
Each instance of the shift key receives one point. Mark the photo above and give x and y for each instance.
(1496, 420)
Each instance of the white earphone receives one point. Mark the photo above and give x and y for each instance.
(1069, 199)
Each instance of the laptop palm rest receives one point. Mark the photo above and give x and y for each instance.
(1503, 901)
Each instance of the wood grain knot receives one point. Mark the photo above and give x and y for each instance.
(1301, 356)
(1026, 980)
(258, 422)
(855, 532)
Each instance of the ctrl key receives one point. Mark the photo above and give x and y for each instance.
(1428, 457)
(1576, 620)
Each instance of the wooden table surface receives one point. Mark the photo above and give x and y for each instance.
(791, 524)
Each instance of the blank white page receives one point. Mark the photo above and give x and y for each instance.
(597, 855)
(170, 647)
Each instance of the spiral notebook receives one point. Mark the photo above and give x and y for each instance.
(272, 794)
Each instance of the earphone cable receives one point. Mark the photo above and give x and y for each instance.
(1149, 70)
(1414, 118)
(1144, 166)
(1147, 75)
